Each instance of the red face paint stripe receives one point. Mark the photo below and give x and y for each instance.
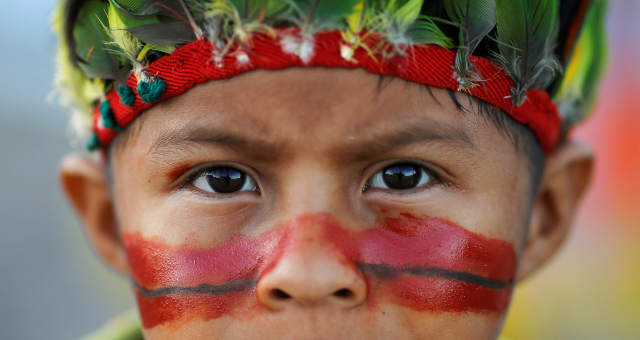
(421, 263)
(409, 241)
(442, 295)
(158, 310)
(433, 242)
(204, 289)
(155, 264)
(386, 272)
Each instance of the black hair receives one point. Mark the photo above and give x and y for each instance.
(523, 138)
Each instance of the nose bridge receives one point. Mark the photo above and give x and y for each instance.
(312, 228)
(311, 241)
(311, 186)
(310, 270)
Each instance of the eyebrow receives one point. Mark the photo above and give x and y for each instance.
(181, 139)
(425, 130)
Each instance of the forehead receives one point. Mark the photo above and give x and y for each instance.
(322, 107)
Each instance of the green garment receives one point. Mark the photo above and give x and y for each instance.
(123, 327)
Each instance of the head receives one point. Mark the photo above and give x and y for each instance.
(311, 202)
(326, 203)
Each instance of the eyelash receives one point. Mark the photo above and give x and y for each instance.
(191, 178)
(433, 179)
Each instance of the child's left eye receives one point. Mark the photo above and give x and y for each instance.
(400, 176)
(224, 180)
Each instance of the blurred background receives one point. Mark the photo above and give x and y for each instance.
(53, 287)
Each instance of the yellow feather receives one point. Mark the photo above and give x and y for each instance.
(124, 40)
(71, 88)
(354, 20)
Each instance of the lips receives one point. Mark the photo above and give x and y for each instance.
(425, 264)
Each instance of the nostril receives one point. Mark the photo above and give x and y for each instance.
(343, 293)
(279, 294)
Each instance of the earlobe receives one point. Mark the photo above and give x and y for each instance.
(566, 177)
(83, 182)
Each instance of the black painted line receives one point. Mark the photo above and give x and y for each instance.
(207, 289)
(386, 271)
(380, 270)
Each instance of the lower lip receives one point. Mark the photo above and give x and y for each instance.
(398, 244)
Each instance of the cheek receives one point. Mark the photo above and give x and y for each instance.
(436, 294)
(155, 264)
(179, 309)
(429, 264)
(180, 283)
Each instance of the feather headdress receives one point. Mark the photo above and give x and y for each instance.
(476, 19)
(119, 57)
(527, 31)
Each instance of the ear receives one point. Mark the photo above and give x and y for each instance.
(565, 179)
(84, 184)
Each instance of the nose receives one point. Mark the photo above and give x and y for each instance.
(311, 272)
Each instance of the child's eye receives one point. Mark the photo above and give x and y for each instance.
(223, 180)
(401, 176)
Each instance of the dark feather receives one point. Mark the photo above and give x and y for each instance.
(176, 9)
(475, 18)
(572, 15)
(164, 33)
(71, 12)
(324, 13)
(425, 31)
(252, 9)
(154, 7)
(526, 31)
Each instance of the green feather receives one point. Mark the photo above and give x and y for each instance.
(395, 14)
(131, 5)
(174, 9)
(123, 19)
(150, 7)
(476, 19)
(238, 19)
(527, 32)
(123, 41)
(164, 33)
(425, 31)
(250, 10)
(406, 12)
(315, 15)
(402, 24)
(89, 35)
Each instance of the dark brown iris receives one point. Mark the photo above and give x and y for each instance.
(402, 176)
(226, 180)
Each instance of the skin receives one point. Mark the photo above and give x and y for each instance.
(312, 139)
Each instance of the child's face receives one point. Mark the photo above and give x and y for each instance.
(346, 208)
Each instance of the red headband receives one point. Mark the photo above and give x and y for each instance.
(430, 65)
